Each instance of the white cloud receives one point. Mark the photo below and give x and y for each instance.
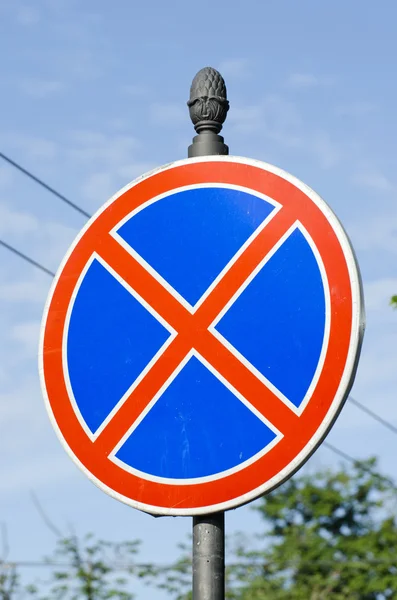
(35, 289)
(97, 187)
(109, 160)
(25, 432)
(29, 454)
(237, 68)
(41, 89)
(355, 109)
(135, 170)
(378, 362)
(329, 153)
(101, 186)
(12, 221)
(48, 240)
(279, 120)
(52, 241)
(135, 90)
(308, 80)
(377, 375)
(33, 147)
(374, 180)
(118, 124)
(27, 334)
(302, 80)
(27, 15)
(378, 292)
(170, 114)
(21, 409)
(37, 471)
(376, 232)
(5, 176)
(102, 149)
(274, 116)
(246, 119)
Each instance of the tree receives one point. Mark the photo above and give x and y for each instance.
(393, 301)
(9, 581)
(329, 535)
(332, 535)
(10, 585)
(176, 579)
(88, 570)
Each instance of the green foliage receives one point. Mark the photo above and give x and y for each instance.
(88, 570)
(177, 579)
(393, 301)
(9, 581)
(330, 535)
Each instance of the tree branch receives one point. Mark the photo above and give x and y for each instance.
(47, 521)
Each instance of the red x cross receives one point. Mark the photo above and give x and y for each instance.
(192, 333)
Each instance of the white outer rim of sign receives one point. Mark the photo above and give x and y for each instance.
(357, 332)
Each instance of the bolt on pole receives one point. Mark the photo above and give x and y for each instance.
(208, 106)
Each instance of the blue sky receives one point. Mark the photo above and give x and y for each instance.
(94, 94)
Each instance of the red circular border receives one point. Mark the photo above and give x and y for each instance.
(156, 495)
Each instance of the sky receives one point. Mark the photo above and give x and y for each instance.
(94, 94)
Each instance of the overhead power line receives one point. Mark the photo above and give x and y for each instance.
(163, 568)
(374, 415)
(26, 258)
(340, 453)
(45, 185)
(36, 264)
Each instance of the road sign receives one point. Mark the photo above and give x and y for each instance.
(201, 335)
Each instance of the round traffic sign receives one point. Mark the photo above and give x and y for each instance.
(201, 335)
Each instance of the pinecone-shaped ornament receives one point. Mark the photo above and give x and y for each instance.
(208, 104)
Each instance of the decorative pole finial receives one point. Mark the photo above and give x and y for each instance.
(208, 106)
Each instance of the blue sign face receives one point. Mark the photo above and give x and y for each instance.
(198, 426)
(201, 335)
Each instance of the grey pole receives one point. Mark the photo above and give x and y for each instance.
(208, 108)
(209, 557)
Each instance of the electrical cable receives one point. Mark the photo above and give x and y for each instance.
(44, 185)
(29, 260)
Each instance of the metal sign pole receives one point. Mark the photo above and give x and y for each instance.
(208, 106)
(209, 557)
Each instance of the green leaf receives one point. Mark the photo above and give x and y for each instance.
(330, 534)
